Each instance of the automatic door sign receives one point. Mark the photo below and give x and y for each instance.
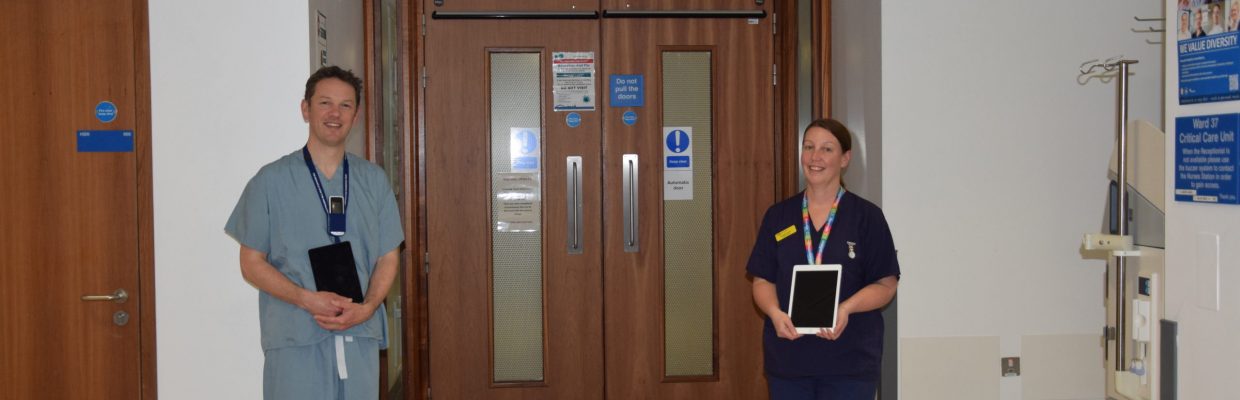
(677, 163)
(524, 150)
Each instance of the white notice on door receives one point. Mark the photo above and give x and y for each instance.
(677, 185)
(573, 80)
(517, 204)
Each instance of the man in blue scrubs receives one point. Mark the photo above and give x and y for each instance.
(319, 344)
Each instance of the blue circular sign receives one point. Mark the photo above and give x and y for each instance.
(677, 141)
(630, 118)
(573, 120)
(105, 111)
(529, 141)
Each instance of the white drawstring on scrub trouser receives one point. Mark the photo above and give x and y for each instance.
(341, 369)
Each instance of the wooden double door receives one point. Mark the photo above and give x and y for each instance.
(594, 179)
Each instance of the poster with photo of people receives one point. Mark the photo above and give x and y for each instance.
(1209, 55)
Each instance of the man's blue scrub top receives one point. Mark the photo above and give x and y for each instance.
(280, 214)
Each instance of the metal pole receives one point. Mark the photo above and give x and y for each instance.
(1120, 265)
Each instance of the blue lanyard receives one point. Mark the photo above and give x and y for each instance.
(318, 186)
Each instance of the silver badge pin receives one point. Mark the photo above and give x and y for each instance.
(852, 251)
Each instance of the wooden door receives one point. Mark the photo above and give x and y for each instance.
(678, 309)
(513, 313)
(71, 218)
(654, 304)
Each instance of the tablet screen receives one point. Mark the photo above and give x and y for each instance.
(335, 271)
(815, 297)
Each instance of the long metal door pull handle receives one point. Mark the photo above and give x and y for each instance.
(632, 205)
(630, 166)
(119, 296)
(574, 205)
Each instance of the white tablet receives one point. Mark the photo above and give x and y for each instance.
(815, 297)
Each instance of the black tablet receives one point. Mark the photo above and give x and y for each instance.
(335, 271)
(815, 297)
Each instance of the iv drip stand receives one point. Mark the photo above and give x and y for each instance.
(1122, 213)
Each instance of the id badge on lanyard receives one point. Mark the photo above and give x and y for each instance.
(335, 206)
(335, 216)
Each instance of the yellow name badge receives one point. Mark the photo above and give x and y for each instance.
(791, 229)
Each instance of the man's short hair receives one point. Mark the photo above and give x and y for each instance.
(333, 71)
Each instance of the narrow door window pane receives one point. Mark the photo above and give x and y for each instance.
(516, 216)
(688, 230)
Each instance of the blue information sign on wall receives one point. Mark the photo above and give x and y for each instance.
(104, 141)
(524, 150)
(677, 142)
(627, 91)
(629, 118)
(1208, 68)
(105, 111)
(1205, 158)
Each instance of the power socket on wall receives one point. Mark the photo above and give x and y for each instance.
(1009, 366)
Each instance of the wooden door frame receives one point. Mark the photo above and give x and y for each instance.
(413, 52)
(787, 127)
(146, 206)
(412, 191)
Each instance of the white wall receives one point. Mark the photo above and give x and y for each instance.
(1208, 347)
(856, 101)
(994, 165)
(226, 81)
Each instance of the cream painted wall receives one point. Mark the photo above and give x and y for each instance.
(994, 165)
(226, 81)
(1208, 347)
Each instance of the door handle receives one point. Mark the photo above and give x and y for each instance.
(574, 204)
(119, 296)
(631, 244)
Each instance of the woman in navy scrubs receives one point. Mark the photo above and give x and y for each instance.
(825, 224)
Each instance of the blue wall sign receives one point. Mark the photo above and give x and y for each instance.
(627, 90)
(677, 163)
(629, 118)
(104, 141)
(1205, 159)
(1209, 71)
(528, 141)
(573, 120)
(105, 111)
(677, 142)
(524, 151)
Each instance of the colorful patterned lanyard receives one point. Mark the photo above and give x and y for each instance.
(809, 242)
